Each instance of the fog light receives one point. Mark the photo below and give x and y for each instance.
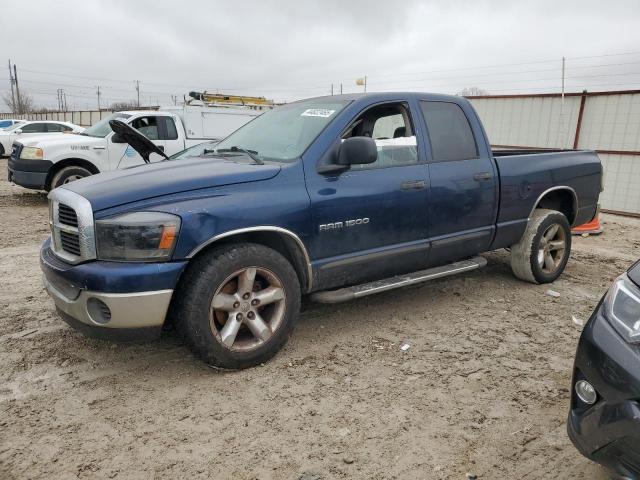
(586, 392)
(98, 311)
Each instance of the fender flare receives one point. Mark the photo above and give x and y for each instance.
(262, 228)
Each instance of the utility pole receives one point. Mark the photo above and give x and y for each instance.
(98, 92)
(563, 68)
(332, 89)
(340, 89)
(138, 90)
(13, 97)
(15, 79)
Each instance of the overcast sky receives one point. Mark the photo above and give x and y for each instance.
(295, 49)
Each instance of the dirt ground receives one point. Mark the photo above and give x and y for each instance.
(483, 388)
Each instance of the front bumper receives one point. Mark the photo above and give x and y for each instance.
(607, 432)
(121, 316)
(29, 173)
(110, 299)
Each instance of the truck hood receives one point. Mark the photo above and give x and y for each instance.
(61, 140)
(119, 187)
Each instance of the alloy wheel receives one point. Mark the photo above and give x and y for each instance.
(551, 248)
(247, 308)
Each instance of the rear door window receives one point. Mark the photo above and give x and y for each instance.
(57, 127)
(449, 132)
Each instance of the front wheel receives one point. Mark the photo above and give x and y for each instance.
(543, 251)
(68, 175)
(237, 305)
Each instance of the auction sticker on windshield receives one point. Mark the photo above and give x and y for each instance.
(317, 112)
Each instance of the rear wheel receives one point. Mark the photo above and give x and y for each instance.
(542, 253)
(238, 304)
(68, 175)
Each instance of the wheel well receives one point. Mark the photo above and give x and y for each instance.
(282, 243)
(562, 200)
(69, 162)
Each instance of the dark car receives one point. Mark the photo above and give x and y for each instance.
(604, 421)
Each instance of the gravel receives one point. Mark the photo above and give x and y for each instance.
(484, 387)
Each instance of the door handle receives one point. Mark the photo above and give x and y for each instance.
(413, 185)
(482, 176)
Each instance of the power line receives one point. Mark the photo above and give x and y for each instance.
(382, 75)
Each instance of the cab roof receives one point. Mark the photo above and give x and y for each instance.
(389, 96)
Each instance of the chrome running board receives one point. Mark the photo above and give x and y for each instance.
(357, 291)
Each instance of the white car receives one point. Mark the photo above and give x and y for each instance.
(9, 122)
(28, 129)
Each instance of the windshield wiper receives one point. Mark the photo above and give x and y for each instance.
(250, 153)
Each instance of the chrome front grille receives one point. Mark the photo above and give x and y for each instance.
(67, 215)
(72, 227)
(70, 243)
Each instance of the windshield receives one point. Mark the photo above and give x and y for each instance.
(201, 150)
(284, 133)
(102, 128)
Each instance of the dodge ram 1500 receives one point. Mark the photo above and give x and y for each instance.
(335, 197)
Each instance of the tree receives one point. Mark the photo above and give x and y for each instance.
(120, 106)
(472, 92)
(23, 103)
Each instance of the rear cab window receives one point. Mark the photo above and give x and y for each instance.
(449, 132)
(169, 131)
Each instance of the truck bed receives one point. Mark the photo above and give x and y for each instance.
(527, 175)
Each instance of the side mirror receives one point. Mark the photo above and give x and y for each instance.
(18, 131)
(357, 150)
(117, 138)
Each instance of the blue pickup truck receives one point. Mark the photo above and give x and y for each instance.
(334, 197)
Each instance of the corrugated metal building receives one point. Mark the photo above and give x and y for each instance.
(608, 122)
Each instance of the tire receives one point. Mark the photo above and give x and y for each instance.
(1, 150)
(223, 274)
(67, 175)
(541, 255)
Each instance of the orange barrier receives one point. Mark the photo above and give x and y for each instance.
(592, 227)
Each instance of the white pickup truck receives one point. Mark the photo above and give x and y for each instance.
(45, 163)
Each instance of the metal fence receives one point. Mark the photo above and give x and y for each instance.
(84, 118)
(607, 122)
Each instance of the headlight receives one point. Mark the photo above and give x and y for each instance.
(31, 153)
(137, 237)
(622, 308)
